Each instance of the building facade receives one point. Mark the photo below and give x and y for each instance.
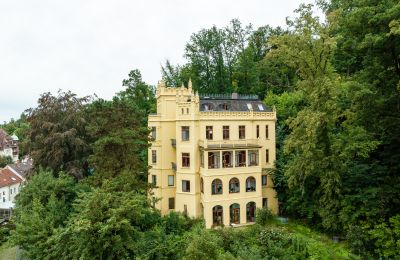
(9, 145)
(211, 156)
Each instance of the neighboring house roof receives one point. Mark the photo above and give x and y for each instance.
(232, 102)
(7, 178)
(21, 168)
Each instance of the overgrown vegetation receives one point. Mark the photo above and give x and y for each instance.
(336, 87)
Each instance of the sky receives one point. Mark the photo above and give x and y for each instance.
(89, 46)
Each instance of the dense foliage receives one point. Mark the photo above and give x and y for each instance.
(336, 87)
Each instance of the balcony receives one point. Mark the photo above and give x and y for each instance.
(173, 166)
(173, 142)
(229, 144)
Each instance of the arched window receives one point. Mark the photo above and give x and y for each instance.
(234, 210)
(216, 186)
(217, 212)
(250, 184)
(207, 106)
(223, 106)
(251, 211)
(201, 185)
(234, 185)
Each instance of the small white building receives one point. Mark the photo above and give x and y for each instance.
(10, 185)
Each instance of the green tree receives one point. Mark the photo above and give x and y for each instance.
(119, 140)
(57, 137)
(43, 205)
(4, 160)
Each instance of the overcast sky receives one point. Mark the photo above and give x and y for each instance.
(89, 46)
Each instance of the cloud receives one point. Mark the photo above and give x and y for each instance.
(90, 46)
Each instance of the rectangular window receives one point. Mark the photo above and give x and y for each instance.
(264, 179)
(267, 156)
(185, 133)
(185, 160)
(227, 159)
(253, 157)
(266, 132)
(242, 132)
(153, 156)
(171, 180)
(258, 131)
(209, 132)
(213, 160)
(225, 132)
(201, 159)
(153, 133)
(185, 186)
(171, 203)
(154, 179)
(240, 158)
(11, 191)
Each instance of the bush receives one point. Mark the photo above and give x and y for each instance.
(264, 216)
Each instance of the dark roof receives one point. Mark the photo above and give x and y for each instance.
(8, 178)
(22, 168)
(233, 105)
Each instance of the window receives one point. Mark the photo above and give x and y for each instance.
(253, 157)
(11, 191)
(265, 202)
(217, 215)
(225, 132)
(223, 106)
(266, 132)
(250, 184)
(240, 158)
(187, 110)
(171, 180)
(251, 211)
(242, 132)
(257, 131)
(185, 133)
(213, 160)
(201, 159)
(249, 106)
(216, 187)
(260, 107)
(209, 132)
(235, 213)
(154, 179)
(227, 159)
(185, 160)
(267, 156)
(171, 203)
(153, 133)
(153, 156)
(201, 185)
(185, 211)
(183, 111)
(234, 185)
(264, 180)
(185, 186)
(4, 199)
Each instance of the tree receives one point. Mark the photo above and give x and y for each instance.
(119, 139)
(57, 137)
(316, 141)
(4, 160)
(43, 205)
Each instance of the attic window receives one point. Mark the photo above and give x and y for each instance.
(249, 106)
(207, 106)
(224, 106)
(12, 178)
(260, 107)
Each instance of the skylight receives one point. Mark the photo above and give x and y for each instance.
(260, 107)
(249, 106)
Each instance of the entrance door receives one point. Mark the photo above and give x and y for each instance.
(236, 216)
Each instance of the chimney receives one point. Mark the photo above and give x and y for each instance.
(235, 95)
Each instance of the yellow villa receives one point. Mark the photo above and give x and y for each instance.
(211, 154)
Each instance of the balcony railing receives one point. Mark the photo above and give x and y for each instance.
(242, 143)
(173, 142)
